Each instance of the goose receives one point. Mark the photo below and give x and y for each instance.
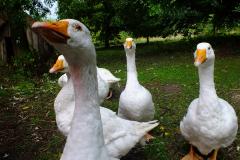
(61, 65)
(210, 122)
(94, 134)
(135, 101)
(107, 76)
(62, 80)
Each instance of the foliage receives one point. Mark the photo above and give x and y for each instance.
(15, 13)
(97, 15)
(26, 62)
(237, 8)
(186, 14)
(106, 19)
(122, 37)
(151, 17)
(30, 63)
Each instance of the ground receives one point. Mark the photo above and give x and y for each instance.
(27, 120)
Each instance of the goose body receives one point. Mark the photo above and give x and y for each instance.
(211, 122)
(61, 65)
(62, 80)
(135, 101)
(136, 104)
(94, 134)
(107, 76)
(120, 135)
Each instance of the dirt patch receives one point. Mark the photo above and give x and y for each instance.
(165, 88)
(235, 96)
(227, 49)
(27, 120)
(153, 85)
(171, 89)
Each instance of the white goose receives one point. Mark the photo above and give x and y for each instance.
(61, 65)
(211, 122)
(106, 75)
(85, 138)
(105, 78)
(135, 101)
(62, 80)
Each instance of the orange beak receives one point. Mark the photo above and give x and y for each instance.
(53, 31)
(201, 57)
(129, 44)
(57, 67)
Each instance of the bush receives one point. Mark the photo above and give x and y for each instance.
(26, 62)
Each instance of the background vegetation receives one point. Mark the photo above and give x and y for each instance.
(150, 18)
(139, 18)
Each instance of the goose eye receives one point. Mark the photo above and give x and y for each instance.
(77, 27)
(209, 48)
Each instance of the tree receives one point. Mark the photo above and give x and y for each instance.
(187, 14)
(99, 15)
(14, 14)
(149, 17)
(14, 11)
(164, 17)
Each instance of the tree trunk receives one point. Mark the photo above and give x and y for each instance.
(214, 23)
(109, 13)
(106, 40)
(9, 49)
(147, 39)
(214, 29)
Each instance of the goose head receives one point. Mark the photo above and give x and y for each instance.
(68, 36)
(204, 55)
(60, 65)
(129, 45)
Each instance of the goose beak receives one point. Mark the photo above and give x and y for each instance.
(129, 44)
(55, 32)
(201, 57)
(57, 67)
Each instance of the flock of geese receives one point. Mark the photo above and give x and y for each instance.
(96, 133)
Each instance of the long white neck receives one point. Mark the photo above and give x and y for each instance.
(85, 140)
(132, 79)
(68, 75)
(207, 86)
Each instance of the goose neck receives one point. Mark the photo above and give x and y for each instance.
(85, 139)
(131, 69)
(207, 86)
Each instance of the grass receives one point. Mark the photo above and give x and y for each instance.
(166, 68)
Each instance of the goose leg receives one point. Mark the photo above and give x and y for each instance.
(190, 155)
(109, 95)
(214, 156)
(148, 137)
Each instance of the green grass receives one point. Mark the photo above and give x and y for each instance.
(165, 68)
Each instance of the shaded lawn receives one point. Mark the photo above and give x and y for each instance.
(27, 122)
